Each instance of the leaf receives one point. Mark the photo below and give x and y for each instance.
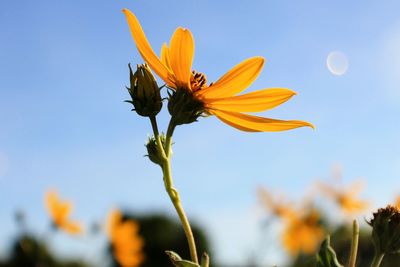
(177, 260)
(173, 256)
(326, 256)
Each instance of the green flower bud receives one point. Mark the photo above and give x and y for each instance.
(184, 107)
(152, 149)
(386, 230)
(144, 91)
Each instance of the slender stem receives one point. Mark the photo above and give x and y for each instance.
(174, 196)
(377, 260)
(157, 136)
(165, 153)
(354, 244)
(170, 132)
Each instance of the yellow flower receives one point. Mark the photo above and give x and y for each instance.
(278, 207)
(127, 245)
(174, 66)
(59, 211)
(397, 204)
(303, 233)
(346, 198)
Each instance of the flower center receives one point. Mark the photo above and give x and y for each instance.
(198, 81)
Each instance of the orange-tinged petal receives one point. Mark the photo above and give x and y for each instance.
(252, 102)
(251, 123)
(398, 202)
(236, 80)
(59, 212)
(144, 47)
(181, 53)
(165, 56)
(72, 227)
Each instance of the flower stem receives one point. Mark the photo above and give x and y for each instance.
(377, 260)
(354, 245)
(170, 132)
(161, 150)
(165, 153)
(174, 196)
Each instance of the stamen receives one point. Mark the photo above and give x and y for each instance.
(198, 81)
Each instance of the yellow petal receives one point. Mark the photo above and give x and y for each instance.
(251, 123)
(72, 228)
(236, 80)
(144, 47)
(252, 102)
(181, 53)
(398, 202)
(165, 56)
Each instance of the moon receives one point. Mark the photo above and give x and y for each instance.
(337, 63)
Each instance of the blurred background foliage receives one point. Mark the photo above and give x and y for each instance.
(160, 232)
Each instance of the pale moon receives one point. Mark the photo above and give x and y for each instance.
(337, 63)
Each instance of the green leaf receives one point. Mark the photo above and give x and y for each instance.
(177, 260)
(173, 256)
(326, 256)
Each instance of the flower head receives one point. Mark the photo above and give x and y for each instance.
(397, 204)
(303, 233)
(346, 198)
(59, 211)
(386, 230)
(174, 67)
(277, 207)
(126, 244)
(144, 92)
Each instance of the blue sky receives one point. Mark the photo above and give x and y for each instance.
(63, 68)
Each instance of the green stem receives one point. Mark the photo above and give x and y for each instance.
(170, 132)
(165, 153)
(377, 260)
(174, 196)
(354, 245)
(157, 136)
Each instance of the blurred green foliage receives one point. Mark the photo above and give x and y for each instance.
(341, 241)
(27, 251)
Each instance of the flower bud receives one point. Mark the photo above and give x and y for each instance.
(152, 149)
(386, 230)
(144, 91)
(184, 107)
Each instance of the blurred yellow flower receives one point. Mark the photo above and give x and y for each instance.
(174, 66)
(346, 198)
(277, 207)
(59, 211)
(126, 243)
(303, 233)
(397, 204)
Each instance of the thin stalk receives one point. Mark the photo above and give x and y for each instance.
(170, 132)
(172, 192)
(174, 196)
(160, 147)
(354, 244)
(377, 260)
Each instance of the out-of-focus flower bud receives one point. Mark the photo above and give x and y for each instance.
(152, 149)
(386, 230)
(144, 91)
(184, 107)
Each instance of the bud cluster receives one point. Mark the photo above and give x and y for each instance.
(386, 230)
(144, 91)
(152, 149)
(184, 107)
